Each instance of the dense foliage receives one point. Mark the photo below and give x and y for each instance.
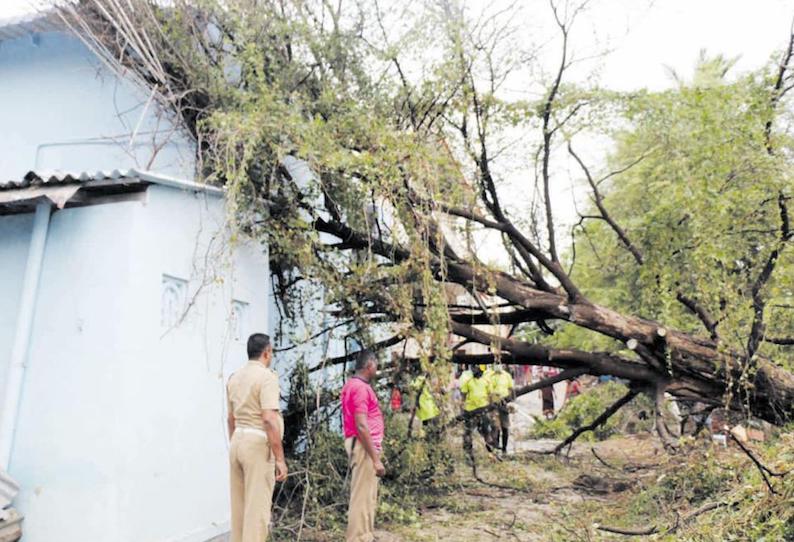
(700, 208)
(375, 150)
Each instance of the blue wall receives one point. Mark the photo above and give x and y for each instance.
(60, 109)
(121, 432)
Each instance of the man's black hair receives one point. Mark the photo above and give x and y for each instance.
(257, 344)
(363, 358)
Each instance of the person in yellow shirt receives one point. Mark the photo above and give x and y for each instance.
(428, 413)
(476, 391)
(426, 408)
(502, 386)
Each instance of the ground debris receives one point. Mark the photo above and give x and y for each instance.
(600, 485)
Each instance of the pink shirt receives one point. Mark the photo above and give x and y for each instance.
(357, 397)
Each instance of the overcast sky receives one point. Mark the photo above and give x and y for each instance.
(646, 35)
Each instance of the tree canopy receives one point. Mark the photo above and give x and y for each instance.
(374, 150)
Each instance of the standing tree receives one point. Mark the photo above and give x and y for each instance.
(679, 276)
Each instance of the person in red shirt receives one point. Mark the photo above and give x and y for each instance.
(396, 398)
(573, 389)
(363, 427)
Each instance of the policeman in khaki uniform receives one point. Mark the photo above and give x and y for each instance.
(256, 456)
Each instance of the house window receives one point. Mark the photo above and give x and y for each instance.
(172, 301)
(238, 319)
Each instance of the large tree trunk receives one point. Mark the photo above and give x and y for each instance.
(681, 364)
(662, 359)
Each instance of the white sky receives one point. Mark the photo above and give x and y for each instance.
(671, 32)
(646, 37)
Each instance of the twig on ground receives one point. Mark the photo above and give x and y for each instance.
(625, 468)
(628, 532)
(763, 469)
(602, 461)
(702, 510)
(679, 521)
(477, 477)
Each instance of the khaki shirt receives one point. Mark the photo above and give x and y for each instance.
(250, 390)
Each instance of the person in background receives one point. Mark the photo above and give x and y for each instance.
(396, 398)
(363, 428)
(426, 409)
(256, 456)
(429, 414)
(547, 395)
(460, 378)
(476, 391)
(502, 387)
(454, 388)
(572, 389)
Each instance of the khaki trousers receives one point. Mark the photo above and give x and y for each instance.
(252, 476)
(363, 494)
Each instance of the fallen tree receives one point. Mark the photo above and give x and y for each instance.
(403, 179)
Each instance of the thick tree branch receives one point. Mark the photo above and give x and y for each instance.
(700, 311)
(505, 317)
(689, 357)
(377, 347)
(596, 362)
(523, 390)
(781, 341)
(708, 321)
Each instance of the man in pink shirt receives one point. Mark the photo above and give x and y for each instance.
(363, 427)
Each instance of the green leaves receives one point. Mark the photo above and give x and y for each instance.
(700, 205)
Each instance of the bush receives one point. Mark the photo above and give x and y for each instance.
(315, 495)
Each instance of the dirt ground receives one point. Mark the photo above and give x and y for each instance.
(524, 496)
(527, 496)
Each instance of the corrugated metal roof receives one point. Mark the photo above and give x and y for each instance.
(30, 23)
(58, 177)
(42, 178)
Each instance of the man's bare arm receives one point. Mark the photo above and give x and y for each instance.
(365, 437)
(270, 421)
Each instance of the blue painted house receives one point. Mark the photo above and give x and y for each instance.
(124, 304)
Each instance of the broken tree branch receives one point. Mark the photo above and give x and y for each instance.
(763, 469)
(600, 420)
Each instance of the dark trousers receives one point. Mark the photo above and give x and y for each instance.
(502, 426)
(479, 420)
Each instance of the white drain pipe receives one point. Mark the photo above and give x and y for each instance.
(15, 376)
